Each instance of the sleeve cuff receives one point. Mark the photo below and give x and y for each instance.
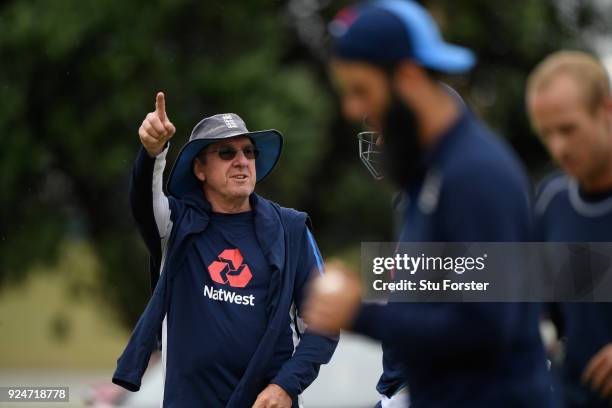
(128, 382)
(291, 391)
(162, 155)
(160, 162)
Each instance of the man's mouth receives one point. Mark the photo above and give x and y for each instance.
(240, 177)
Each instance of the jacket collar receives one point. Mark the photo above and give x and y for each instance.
(268, 225)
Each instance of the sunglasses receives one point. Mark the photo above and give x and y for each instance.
(228, 153)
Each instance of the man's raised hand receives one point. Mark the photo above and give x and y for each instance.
(156, 128)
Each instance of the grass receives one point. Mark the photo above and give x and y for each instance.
(56, 320)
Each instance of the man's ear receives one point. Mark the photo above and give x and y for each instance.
(608, 104)
(409, 78)
(198, 170)
(410, 71)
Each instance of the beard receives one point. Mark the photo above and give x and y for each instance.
(401, 150)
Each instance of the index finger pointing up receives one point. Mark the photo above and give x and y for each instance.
(160, 106)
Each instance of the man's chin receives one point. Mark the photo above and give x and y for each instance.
(574, 171)
(239, 192)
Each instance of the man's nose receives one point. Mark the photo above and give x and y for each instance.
(557, 145)
(240, 160)
(353, 110)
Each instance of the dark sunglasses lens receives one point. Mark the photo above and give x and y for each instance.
(227, 154)
(250, 153)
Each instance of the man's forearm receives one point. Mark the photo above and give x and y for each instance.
(468, 327)
(148, 203)
(303, 367)
(161, 208)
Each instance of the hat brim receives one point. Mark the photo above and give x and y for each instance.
(448, 58)
(429, 49)
(182, 180)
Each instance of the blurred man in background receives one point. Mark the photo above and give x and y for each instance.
(461, 183)
(233, 270)
(570, 107)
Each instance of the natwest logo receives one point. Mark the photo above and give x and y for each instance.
(229, 269)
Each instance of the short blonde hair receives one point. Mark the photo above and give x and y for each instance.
(586, 70)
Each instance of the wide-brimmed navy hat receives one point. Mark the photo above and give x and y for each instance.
(388, 31)
(215, 128)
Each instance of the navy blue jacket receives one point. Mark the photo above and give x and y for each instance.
(280, 232)
(565, 214)
(464, 354)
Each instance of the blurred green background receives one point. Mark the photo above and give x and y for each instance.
(77, 78)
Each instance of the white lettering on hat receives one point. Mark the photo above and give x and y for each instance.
(229, 121)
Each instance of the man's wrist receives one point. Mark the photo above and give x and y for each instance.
(292, 394)
(155, 155)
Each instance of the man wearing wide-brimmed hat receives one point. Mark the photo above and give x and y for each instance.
(228, 268)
